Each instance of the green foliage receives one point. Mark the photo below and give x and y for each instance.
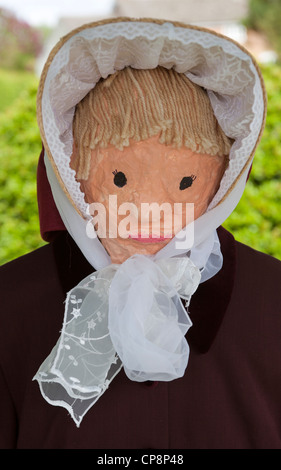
(19, 42)
(265, 16)
(256, 220)
(20, 146)
(11, 84)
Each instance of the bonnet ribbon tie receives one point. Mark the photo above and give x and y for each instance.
(128, 315)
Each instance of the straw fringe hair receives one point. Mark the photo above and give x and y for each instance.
(139, 104)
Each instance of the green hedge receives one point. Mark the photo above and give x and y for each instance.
(256, 220)
(12, 83)
(265, 16)
(19, 149)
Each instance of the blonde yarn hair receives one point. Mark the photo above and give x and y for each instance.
(139, 104)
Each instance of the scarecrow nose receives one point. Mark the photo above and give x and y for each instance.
(157, 216)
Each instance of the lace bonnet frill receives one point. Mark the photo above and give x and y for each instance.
(224, 68)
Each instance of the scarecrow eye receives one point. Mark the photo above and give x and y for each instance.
(119, 179)
(186, 182)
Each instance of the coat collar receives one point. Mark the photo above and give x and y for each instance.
(210, 302)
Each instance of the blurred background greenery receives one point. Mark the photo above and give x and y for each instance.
(257, 218)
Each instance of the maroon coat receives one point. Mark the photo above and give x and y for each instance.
(229, 397)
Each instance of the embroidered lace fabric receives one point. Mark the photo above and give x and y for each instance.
(101, 332)
(215, 63)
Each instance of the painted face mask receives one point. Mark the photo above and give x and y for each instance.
(136, 150)
(134, 113)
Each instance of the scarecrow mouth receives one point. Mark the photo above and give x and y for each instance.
(145, 238)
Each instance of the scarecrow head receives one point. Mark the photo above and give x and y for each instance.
(148, 112)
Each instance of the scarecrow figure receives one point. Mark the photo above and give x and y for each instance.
(161, 336)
